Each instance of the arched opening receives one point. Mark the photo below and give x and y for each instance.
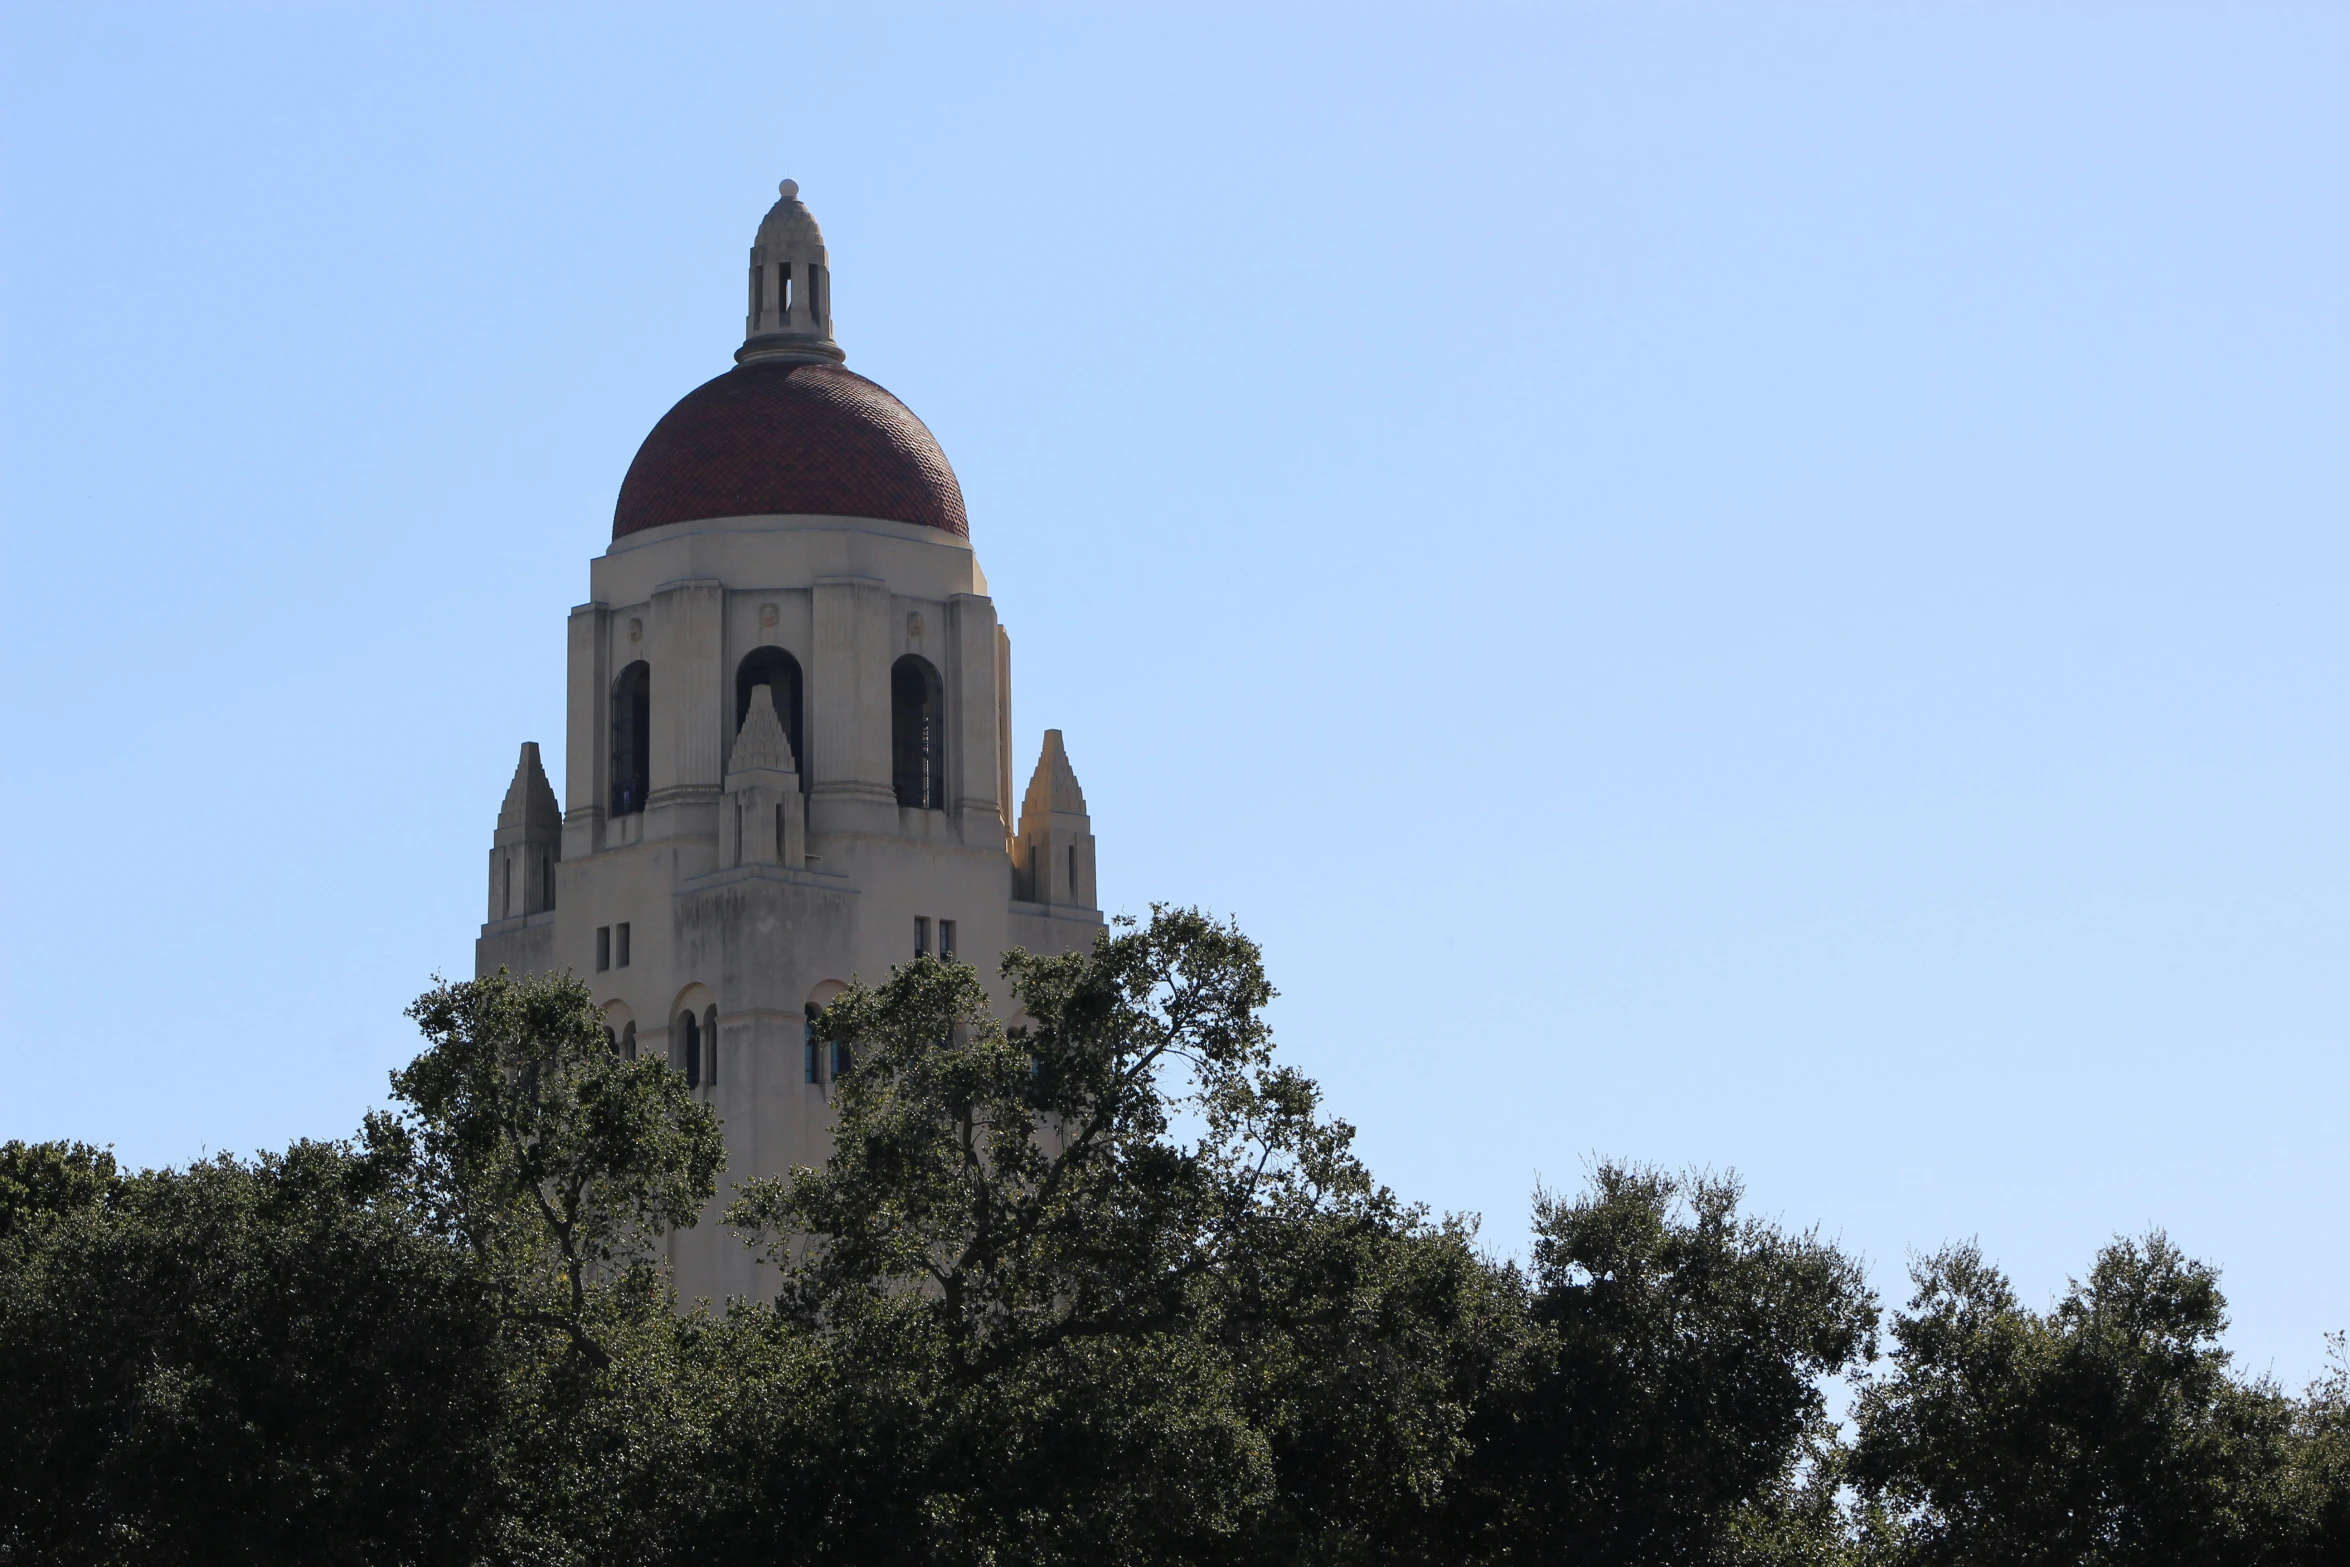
(628, 1041)
(710, 1046)
(917, 728)
(779, 672)
(632, 738)
(811, 1046)
(688, 1058)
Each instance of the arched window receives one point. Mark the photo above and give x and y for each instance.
(632, 738)
(710, 1047)
(779, 672)
(689, 1049)
(917, 729)
(628, 1041)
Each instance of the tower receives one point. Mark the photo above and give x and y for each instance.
(787, 755)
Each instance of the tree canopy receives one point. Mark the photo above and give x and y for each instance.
(1098, 1281)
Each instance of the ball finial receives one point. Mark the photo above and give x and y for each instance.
(788, 189)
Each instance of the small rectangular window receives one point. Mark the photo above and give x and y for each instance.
(946, 938)
(603, 948)
(921, 935)
(620, 946)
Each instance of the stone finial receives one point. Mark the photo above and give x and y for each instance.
(1053, 786)
(762, 746)
(530, 799)
(790, 314)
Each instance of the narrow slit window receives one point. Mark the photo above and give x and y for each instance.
(921, 935)
(603, 948)
(779, 839)
(620, 945)
(628, 1042)
(946, 938)
(710, 1046)
(783, 292)
(808, 1044)
(689, 1049)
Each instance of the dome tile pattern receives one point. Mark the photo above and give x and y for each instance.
(768, 438)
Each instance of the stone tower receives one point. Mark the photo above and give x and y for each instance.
(787, 758)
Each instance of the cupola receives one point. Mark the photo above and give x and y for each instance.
(790, 318)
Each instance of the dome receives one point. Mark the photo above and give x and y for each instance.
(778, 436)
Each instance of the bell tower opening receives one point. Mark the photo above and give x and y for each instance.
(779, 672)
(917, 729)
(632, 738)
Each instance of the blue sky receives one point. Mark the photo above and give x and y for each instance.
(1741, 586)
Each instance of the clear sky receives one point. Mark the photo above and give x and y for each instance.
(1757, 587)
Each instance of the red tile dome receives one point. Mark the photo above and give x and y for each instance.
(775, 436)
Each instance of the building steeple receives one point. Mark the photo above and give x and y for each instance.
(1052, 856)
(528, 842)
(790, 319)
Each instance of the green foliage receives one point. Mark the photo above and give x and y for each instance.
(238, 1363)
(554, 1159)
(1105, 1285)
(1086, 1264)
(1667, 1406)
(49, 1180)
(2109, 1431)
(445, 1344)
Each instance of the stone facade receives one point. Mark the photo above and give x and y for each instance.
(787, 767)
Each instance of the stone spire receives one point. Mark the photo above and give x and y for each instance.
(1053, 786)
(528, 843)
(762, 746)
(764, 817)
(530, 799)
(1052, 857)
(790, 318)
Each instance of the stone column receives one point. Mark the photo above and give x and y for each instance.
(586, 739)
(973, 705)
(689, 695)
(848, 709)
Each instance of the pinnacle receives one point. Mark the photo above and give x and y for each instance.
(762, 745)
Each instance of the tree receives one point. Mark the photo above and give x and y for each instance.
(1666, 1406)
(556, 1165)
(238, 1362)
(445, 1343)
(556, 1161)
(2109, 1431)
(1103, 1285)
